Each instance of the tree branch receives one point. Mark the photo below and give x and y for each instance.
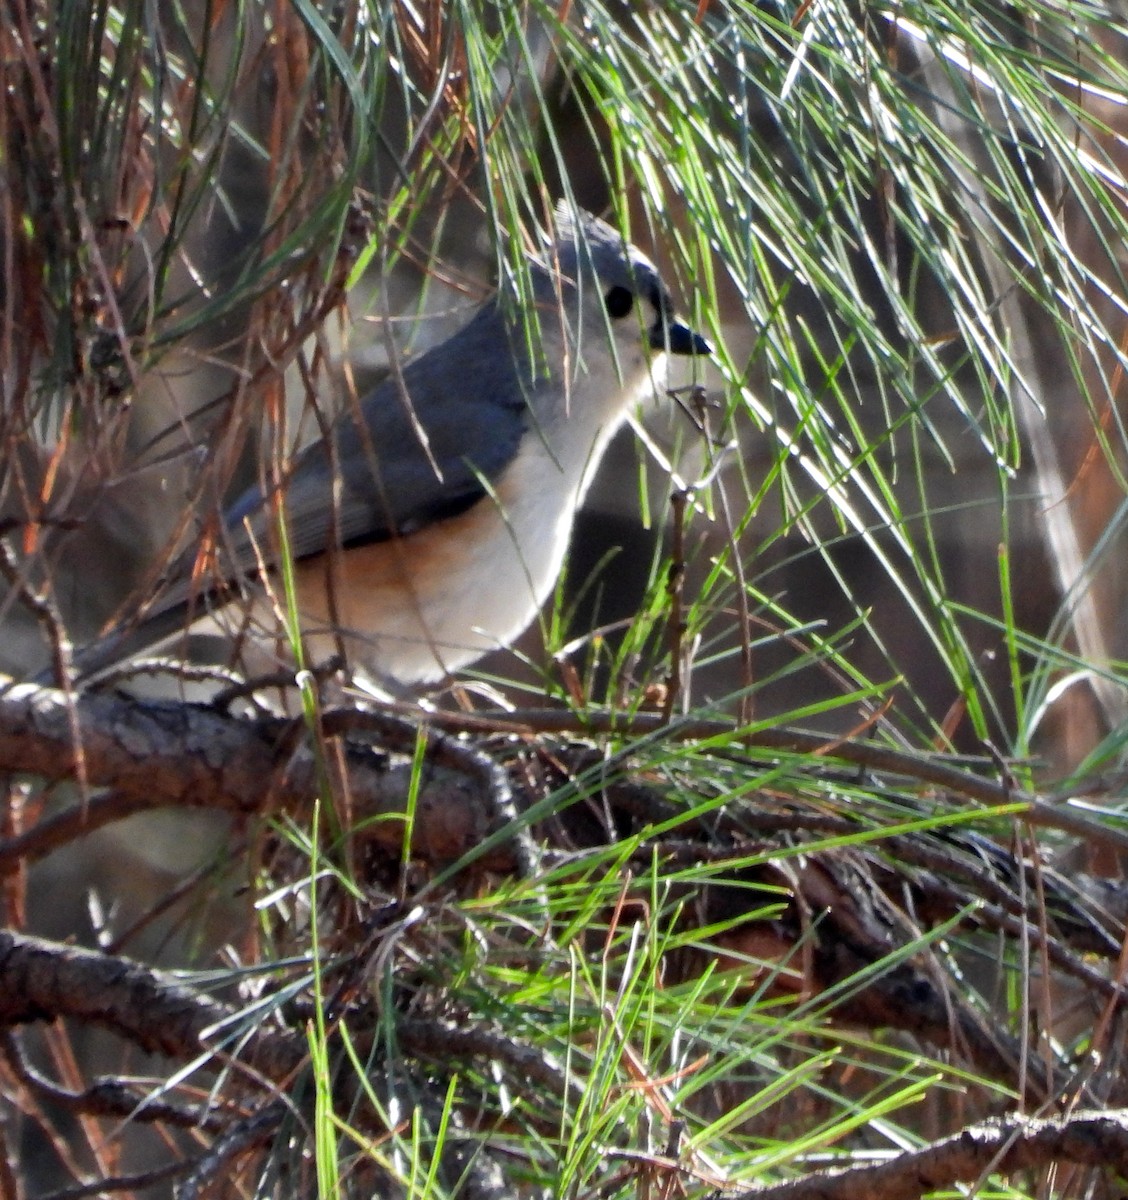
(158, 754)
(41, 980)
(1096, 1139)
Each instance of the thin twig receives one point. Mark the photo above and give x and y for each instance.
(121, 1183)
(920, 767)
(675, 583)
(251, 1131)
(111, 1097)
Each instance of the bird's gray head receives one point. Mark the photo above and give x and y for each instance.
(591, 255)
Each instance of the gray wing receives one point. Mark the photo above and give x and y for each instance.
(468, 399)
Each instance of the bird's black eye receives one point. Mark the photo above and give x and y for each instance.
(619, 302)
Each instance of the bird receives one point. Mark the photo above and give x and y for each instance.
(430, 523)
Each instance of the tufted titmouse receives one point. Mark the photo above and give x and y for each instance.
(433, 532)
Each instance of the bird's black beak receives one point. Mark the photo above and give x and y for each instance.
(677, 338)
